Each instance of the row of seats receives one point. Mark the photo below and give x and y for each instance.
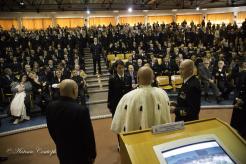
(111, 57)
(164, 82)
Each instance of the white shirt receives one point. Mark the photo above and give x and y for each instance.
(120, 76)
(185, 80)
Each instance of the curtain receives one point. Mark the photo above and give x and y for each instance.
(196, 18)
(241, 17)
(131, 20)
(70, 22)
(37, 23)
(167, 19)
(63, 22)
(75, 22)
(28, 24)
(8, 23)
(220, 18)
(96, 21)
(46, 23)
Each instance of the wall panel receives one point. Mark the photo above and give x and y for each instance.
(96, 21)
(131, 20)
(196, 18)
(8, 23)
(167, 19)
(220, 18)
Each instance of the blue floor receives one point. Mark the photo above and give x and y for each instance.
(7, 124)
(38, 119)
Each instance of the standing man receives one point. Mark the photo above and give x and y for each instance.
(119, 84)
(239, 110)
(96, 50)
(70, 127)
(189, 96)
(142, 107)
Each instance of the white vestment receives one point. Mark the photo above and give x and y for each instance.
(140, 109)
(17, 105)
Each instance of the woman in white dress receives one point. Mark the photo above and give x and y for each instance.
(18, 105)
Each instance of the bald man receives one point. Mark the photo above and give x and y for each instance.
(189, 96)
(70, 127)
(143, 107)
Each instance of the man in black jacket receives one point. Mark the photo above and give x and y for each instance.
(70, 127)
(96, 50)
(239, 109)
(119, 84)
(189, 96)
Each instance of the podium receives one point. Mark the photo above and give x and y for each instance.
(137, 147)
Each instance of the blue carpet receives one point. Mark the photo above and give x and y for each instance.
(7, 124)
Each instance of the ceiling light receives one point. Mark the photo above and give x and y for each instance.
(205, 9)
(21, 3)
(197, 8)
(129, 9)
(116, 11)
(88, 12)
(145, 11)
(174, 10)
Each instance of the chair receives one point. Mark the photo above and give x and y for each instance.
(177, 81)
(128, 55)
(120, 56)
(112, 62)
(110, 57)
(6, 97)
(125, 60)
(163, 82)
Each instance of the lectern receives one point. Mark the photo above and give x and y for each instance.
(137, 147)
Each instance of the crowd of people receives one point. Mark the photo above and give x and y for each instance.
(46, 57)
(44, 65)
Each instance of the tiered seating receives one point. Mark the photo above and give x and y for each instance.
(164, 82)
(111, 58)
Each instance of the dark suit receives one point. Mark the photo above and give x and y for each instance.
(117, 88)
(239, 113)
(205, 74)
(6, 83)
(70, 127)
(56, 91)
(189, 100)
(96, 51)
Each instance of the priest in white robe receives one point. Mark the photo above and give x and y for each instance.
(143, 107)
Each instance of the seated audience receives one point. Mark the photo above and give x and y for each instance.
(221, 79)
(81, 86)
(207, 79)
(133, 75)
(56, 83)
(20, 105)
